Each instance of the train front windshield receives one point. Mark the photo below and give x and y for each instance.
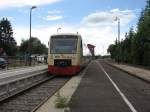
(63, 44)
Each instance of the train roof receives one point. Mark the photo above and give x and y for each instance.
(72, 34)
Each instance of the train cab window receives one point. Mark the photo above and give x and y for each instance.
(63, 45)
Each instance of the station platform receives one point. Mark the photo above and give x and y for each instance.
(96, 94)
(138, 72)
(95, 91)
(7, 75)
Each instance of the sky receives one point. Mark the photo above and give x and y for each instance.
(93, 19)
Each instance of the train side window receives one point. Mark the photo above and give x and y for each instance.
(81, 48)
(81, 44)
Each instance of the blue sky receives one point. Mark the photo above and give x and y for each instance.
(93, 19)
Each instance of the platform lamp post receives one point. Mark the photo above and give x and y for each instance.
(29, 47)
(58, 29)
(118, 19)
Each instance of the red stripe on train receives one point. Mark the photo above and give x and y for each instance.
(71, 70)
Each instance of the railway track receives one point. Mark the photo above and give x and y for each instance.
(30, 99)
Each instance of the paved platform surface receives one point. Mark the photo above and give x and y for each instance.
(136, 71)
(12, 74)
(107, 89)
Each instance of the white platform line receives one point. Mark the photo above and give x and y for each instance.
(118, 90)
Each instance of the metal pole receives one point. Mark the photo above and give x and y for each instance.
(103, 50)
(33, 7)
(30, 40)
(119, 40)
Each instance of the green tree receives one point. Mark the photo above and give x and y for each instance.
(7, 41)
(36, 46)
(113, 50)
(134, 48)
(143, 33)
(127, 55)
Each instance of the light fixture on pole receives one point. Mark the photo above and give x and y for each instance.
(29, 47)
(58, 29)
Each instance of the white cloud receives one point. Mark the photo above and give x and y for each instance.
(20, 33)
(21, 3)
(101, 35)
(99, 28)
(100, 18)
(55, 12)
(53, 17)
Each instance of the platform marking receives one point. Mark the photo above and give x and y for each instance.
(118, 90)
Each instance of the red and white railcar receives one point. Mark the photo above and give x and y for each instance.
(65, 54)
